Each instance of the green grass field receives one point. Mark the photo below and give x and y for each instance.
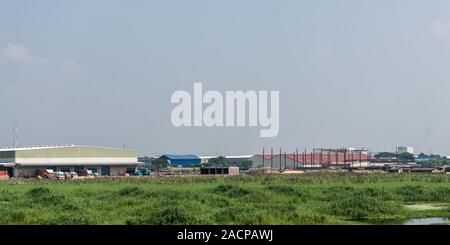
(311, 198)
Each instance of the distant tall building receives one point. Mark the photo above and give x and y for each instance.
(405, 149)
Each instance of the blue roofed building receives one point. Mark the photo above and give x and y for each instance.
(185, 160)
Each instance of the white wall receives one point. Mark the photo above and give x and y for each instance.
(77, 161)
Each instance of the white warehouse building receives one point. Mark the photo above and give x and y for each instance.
(24, 161)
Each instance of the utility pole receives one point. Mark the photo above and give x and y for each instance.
(360, 158)
(263, 157)
(304, 159)
(295, 160)
(280, 160)
(271, 159)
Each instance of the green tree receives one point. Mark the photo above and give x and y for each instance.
(385, 155)
(160, 164)
(245, 164)
(222, 161)
(406, 157)
(218, 161)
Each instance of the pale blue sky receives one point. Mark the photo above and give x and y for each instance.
(350, 73)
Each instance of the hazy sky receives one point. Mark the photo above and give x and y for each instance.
(356, 73)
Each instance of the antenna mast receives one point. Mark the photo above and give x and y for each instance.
(15, 132)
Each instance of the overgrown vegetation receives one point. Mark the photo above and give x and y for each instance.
(311, 198)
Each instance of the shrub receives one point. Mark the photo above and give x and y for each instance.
(44, 196)
(377, 193)
(12, 216)
(68, 219)
(38, 192)
(283, 189)
(311, 219)
(362, 206)
(170, 215)
(336, 192)
(413, 193)
(441, 194)
(7, 196)
(130, 191)
(231, 190)
(243, 215)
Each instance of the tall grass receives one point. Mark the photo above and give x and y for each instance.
(311, 198)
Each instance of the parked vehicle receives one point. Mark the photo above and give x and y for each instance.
(60, 175)
(145, 171)
(45, 174)
(86, 173)
(140, 172)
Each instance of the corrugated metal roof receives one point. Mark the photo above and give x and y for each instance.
(181, 157)
(325, 158)
(239, 156)
(228, 157)
(318, 159)
(266, 156)
(27, 148)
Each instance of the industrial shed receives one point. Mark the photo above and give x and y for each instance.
(261, 161)
(24, 161)
(309, 160)
(185, 160)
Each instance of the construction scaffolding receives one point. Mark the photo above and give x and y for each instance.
(320, 158)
